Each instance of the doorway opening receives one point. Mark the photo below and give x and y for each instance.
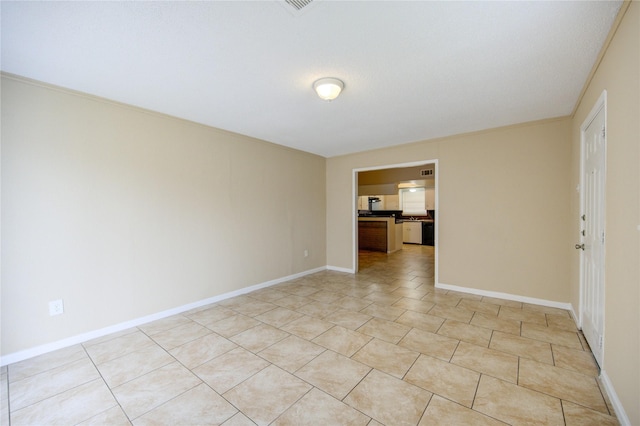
(394, 181)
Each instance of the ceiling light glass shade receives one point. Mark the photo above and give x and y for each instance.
(328, 88)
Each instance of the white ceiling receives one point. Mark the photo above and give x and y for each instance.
(413, 70)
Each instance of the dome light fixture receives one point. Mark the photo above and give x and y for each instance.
(328, 88)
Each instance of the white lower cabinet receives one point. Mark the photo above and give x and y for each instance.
(412, 232)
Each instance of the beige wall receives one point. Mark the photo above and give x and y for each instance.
(619, 75)
(503, 207)
(124, 213)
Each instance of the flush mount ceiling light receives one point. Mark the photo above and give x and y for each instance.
(328, 88)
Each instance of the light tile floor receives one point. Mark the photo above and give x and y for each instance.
(379, 347)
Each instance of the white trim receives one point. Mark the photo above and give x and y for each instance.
(354, 208)
(84, 337)
(600, 105)
(340, 269)
(507, 296)
(615, 401)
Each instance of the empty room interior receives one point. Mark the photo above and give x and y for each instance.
(313, 212)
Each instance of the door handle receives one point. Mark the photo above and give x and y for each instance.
(580, 246)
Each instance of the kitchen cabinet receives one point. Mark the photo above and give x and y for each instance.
(363, 202)
(430, 198)
(412, 232)
(391, 202)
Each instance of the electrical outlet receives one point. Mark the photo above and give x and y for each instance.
(306, 253)
(56, 307)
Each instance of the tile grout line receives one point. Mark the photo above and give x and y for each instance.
(107, 385)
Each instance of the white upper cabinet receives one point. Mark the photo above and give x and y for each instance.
(430, 198)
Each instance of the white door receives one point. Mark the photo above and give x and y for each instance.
(593, 146)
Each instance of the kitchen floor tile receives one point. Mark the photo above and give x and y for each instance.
(48, 361)
(325, 296)
(266, 395)
(115, 348)
(488, 309)
(180, 335)
(226, 371)
(450, 381)
(384, 312)
(333, 373)
(342, 340)
(561, 383)
(318, 309)
(437, 346)
(307, 327)
(164, 324)
(466, 332)
(199, 351)
(233, 325)
(561, 323)
(386, 330)
(441, 411)
(441, 298)
(352, 303)
(450, 312)
(114, 416)
(546, 334)
(495, 323)
(133, 365)
(388, 400)
(292, 301)
(201, 405)
(513, 404)
(487, 361)
(576, 360)
(147, 392)
(348, 319)
(291, 353)
(210, 315)
(521, 346)
(72, 406)
(415, 305)
(279, 316)
(259, 337)
(424, 322)
(577, 415)
(33, 389)
(318, 408)
(386, 357)
(533, 317)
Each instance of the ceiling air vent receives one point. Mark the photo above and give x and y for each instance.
(298, 4)
(426, 172)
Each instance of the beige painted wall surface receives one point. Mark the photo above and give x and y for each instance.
(619, 74)
(124, 213)
(503, 207)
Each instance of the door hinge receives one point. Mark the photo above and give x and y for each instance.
(604, 132)
(603, 238)
(601, 341)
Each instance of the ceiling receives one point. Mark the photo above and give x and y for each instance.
(412, 70)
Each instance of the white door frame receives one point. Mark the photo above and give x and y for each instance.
(600, 105)
(354, 207)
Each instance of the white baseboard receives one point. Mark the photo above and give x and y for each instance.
(615, 401)
(507, 296)
(339, 269)
(85, 337)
